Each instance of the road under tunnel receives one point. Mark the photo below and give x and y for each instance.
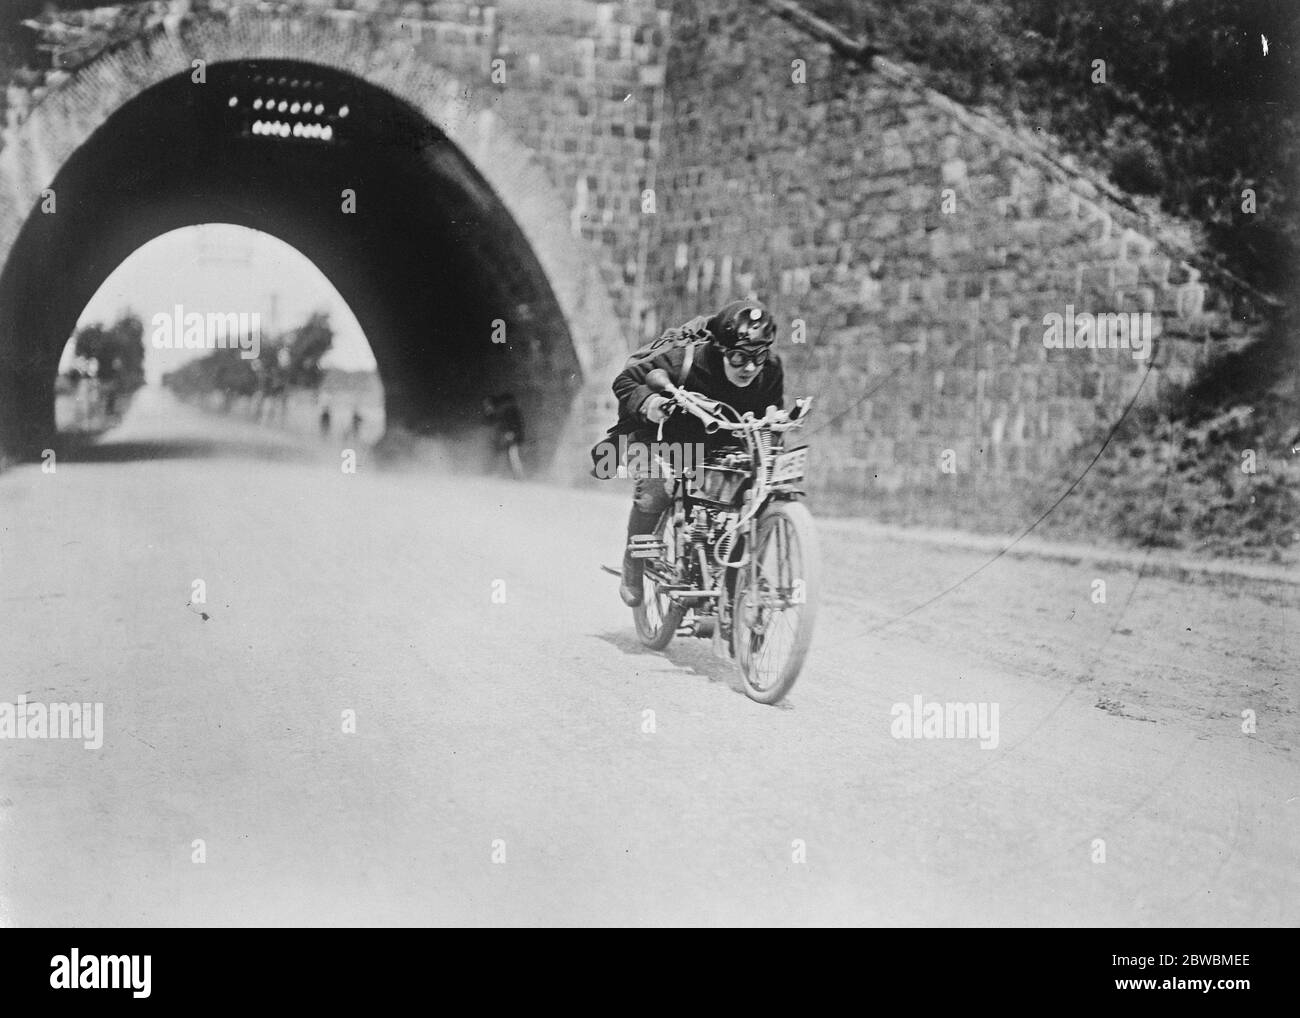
(444, 284)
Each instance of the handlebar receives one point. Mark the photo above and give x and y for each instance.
(710, 412)
(707, 410)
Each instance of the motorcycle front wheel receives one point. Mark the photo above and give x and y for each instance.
(776, 602)
(658, 616)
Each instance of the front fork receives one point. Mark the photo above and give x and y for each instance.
(745, 578)
(780, 592)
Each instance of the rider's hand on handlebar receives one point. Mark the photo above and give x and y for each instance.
(655, 408)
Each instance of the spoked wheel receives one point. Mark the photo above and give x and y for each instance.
(775, 613)
(658, 616)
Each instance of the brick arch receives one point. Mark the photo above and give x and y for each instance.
(466, 113)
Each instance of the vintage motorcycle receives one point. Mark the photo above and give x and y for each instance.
(735, 556)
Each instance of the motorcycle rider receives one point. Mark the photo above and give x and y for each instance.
(736, 366)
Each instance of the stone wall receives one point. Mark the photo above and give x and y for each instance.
(663, 157)
(801, 173)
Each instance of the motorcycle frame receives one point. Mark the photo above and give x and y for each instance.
(760, 494)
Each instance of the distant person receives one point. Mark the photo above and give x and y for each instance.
(502, 413)
(325, 422)
(112, 385)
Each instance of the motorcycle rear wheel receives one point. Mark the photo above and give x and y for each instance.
(774, 617)
(658, 616)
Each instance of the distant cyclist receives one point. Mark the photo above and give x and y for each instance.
(502, 413)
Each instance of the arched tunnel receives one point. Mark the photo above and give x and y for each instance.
(431, 262)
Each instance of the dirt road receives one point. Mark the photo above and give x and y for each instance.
(504, 767)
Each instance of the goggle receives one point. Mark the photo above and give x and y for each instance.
(739, 358)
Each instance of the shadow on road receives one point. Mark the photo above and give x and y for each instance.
(691, 655)
(72, 448)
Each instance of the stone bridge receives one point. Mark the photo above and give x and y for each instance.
(571, 177)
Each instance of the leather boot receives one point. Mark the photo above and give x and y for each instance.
(639, 521)
(630, 588)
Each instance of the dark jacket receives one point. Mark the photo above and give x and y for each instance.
(506, 420)
(708, 378)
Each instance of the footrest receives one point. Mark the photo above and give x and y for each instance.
(646, 546)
